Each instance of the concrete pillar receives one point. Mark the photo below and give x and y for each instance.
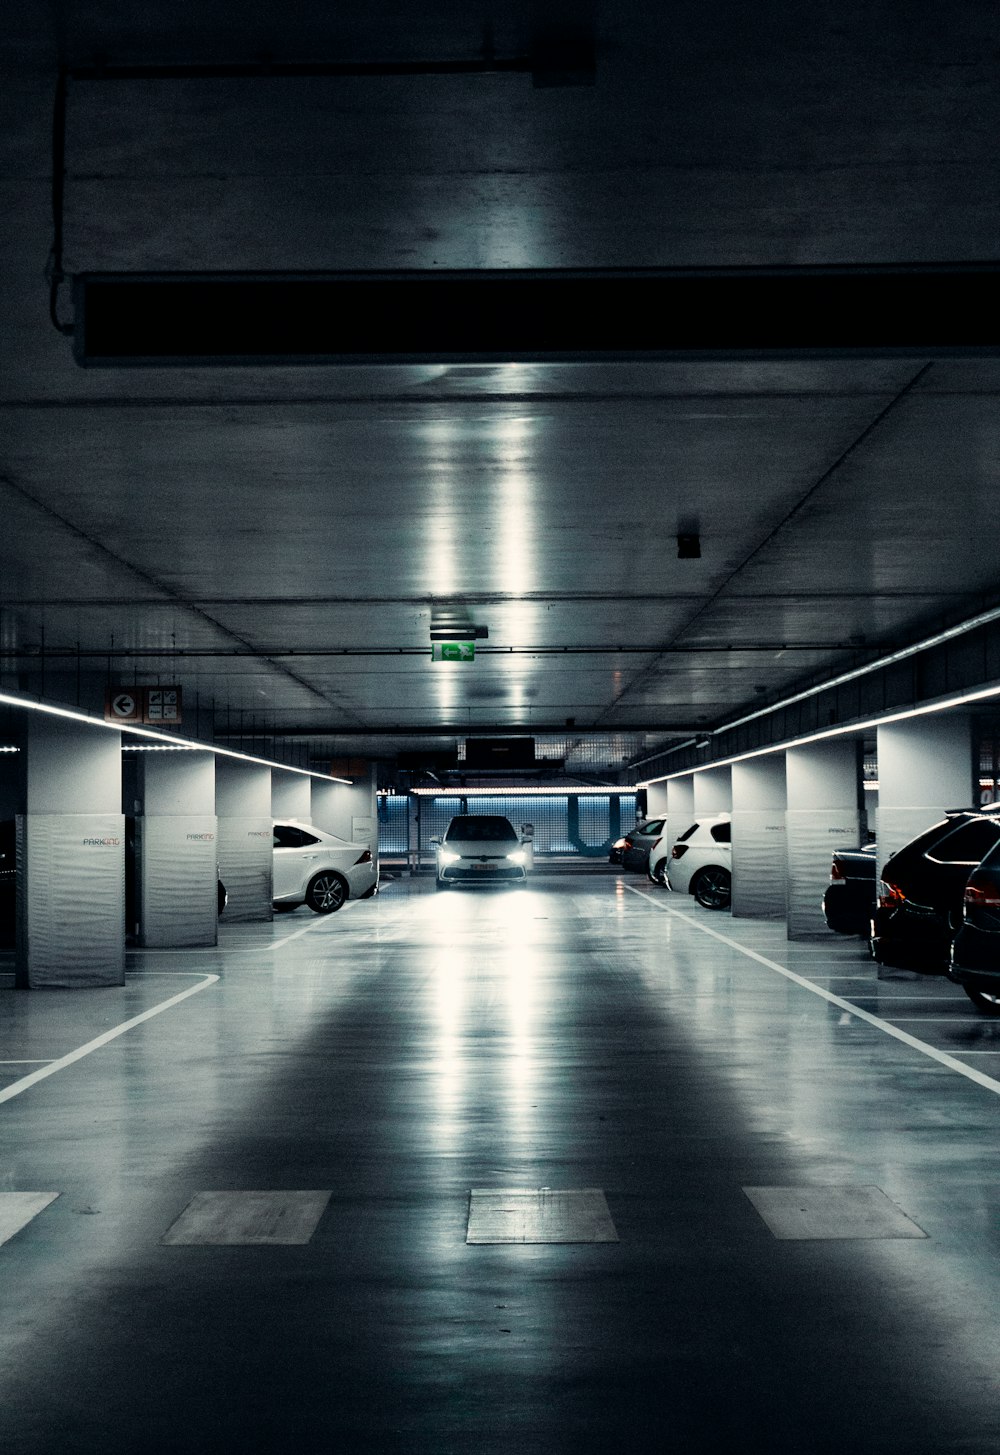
(177, 850)
(713, 792)
(823, 782)
(11, 804)
(760, 862)
(656, 800)
(246, 865)
(924, 766)
(71, 858)
(680, 807)
(291, 796)
(349, 811)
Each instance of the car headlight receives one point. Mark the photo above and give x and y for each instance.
(448, 856)
(517, 857)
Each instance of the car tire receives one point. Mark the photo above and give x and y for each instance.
(327, 892)
(985, 1003)
(659, 874)
(713, 888)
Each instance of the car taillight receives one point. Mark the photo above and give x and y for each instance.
(678, 850)
(984, 894)
(365, 858)
(627, 844)
(890, 894)
(836, 872)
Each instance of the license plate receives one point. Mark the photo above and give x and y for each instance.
(483, 868)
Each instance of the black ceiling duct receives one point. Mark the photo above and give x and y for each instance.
(551, 315)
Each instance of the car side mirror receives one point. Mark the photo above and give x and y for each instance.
(436, 841)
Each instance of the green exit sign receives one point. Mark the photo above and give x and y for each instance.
(453, 651)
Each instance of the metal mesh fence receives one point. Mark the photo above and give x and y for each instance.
(582, 826)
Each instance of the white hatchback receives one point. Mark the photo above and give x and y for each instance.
(699, 862)
(480, 848)
(315, 868)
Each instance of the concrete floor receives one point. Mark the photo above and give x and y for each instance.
(577, 1034)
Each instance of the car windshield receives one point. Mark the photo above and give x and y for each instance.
(480, 826)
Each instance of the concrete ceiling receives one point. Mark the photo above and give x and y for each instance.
(278, 540)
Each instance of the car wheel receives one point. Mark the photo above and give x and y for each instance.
(326, 892)
(985, 1003)
(659, 874)
(712, 888)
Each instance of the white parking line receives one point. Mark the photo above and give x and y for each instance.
(942, 1057)
(16, 1087)
(296, 934)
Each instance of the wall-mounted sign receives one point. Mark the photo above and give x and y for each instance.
(123, 704)
(143, 704)
(453, 651)
(162, 704)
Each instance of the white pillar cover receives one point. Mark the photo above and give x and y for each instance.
(760, 863)
(246, 866)
(812, 837)
(70, 900)
(177, 876)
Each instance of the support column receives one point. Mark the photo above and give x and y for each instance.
(291, 796)
(823, 784)
(71, 858)
(11, 804)
(760, 862)
(656, 800)
(177, 850)
(246, 856)
(680, 807)
(924, 766)
(713, 792)
(348, 810)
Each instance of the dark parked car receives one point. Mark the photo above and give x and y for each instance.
(975, 952)
(849, 901)
(631, 851)
(920, 898)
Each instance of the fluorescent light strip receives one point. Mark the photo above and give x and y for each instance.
(572, 791)
(983, 619)
(841, 731)
(31, 704)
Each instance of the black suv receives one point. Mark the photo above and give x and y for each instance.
(919, 906)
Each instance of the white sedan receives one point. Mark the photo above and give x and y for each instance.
(315, 868)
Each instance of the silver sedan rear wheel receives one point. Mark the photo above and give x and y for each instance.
(326, 892)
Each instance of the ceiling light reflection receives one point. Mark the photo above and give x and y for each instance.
(449, 1055)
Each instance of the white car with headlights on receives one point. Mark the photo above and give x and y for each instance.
(315, 868)
(480, 848)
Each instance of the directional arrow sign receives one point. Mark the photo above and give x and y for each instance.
(122, 705)
(453, 651)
